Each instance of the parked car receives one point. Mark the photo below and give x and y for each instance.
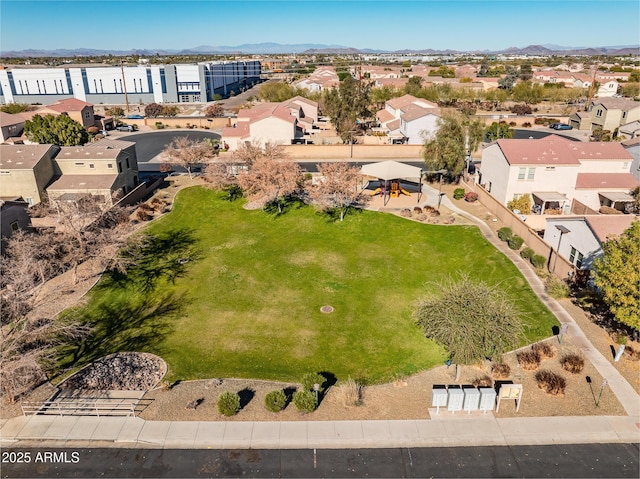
(134, 117)
(104, 132)
(125, 128)
(560, 126)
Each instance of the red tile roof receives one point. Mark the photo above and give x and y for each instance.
(606, 181)
(604, 226)
(241, 130)
(69, 104)
(555, 150)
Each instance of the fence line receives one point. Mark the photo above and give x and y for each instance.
(562, 268)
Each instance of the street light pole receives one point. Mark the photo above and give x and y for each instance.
(563, 230)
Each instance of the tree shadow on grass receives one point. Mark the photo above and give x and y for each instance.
(332, 215)
(286, 204)
(130, 323)
(166, 256)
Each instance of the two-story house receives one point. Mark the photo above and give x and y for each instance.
(77, 110)
(26, 171)
(608, 114)
(409, 120)
(106, 169)
(559, 174)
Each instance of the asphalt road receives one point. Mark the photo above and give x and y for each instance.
(585, 461)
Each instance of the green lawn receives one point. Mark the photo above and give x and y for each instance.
(248, 302)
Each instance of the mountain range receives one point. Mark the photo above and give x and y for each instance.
(312, 48)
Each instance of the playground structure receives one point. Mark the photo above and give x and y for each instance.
(389, 174)
(395, 190)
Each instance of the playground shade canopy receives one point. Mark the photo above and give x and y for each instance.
(390, 170)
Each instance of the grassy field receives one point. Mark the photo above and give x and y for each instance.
(247, 303)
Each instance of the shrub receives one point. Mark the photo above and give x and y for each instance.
(544, 350)
(573, 363)
(309, 379)
(458, 193)
(275, 401)
(405, 213)
(556, 287)
(529, 360)
(515, 242)
(505, 233)
(305, 401)
(607, 210)
(551, 383)
(482, 382)
(500, 371)
(526, 124)
(512, 123)
(527, 253)
(521, 109)
(421, 217)
(142, 215)
(351, 392)
(471, 196)
(522, 204)
(229, 403)
(538, 260)
(417, 210)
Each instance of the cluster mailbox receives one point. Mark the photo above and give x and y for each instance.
(463, 399)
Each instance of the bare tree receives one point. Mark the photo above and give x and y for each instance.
(90, 229)
(188, 154)
(337, 188)
(248, 153)
(270, 177)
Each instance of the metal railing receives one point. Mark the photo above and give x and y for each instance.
(79, 408)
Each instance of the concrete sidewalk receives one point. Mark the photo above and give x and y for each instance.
(445, 429)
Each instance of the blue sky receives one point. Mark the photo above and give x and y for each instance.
(376, 24)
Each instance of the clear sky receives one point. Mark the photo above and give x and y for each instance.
(375, 24)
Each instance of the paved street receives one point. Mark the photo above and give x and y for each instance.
(591, 460)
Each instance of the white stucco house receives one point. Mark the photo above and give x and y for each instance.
(282, 123)
(579, 239)
(558, 173)
(409, 120)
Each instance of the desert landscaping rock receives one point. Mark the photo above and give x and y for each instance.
(120, 371)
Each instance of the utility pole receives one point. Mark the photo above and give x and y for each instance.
(593, 86)
(124, 86)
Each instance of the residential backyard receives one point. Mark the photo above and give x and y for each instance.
(222, 291)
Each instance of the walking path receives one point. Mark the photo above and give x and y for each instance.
(444, 429)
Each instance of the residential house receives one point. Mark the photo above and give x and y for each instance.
(11, 126)
(323, 78)
(579, 239)
(559, 174)
(26, 171)
(629, 130)
(285, 123)
(77, 110)
(611, 113)
(408, 119)
(107, 169)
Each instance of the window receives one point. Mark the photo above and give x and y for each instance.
(522, 172)
(79, 164)
(624, 114)
(550, 168)
(531, 174)
(599, 113)
(119, 168)
(128, 167)
(15, 226)
(576, 257)
(5, 172)
(625, 165)
(109, 165)
(91, 165)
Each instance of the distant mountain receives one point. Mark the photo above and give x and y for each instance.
(312, 48)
